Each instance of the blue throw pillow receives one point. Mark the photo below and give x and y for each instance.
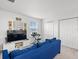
(53, 39)
(48, 41)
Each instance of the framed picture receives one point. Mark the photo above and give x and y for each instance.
(18, 45)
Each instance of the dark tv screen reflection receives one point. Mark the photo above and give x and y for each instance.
(16, 36)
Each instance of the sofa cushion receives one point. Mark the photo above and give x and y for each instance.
(19, 52)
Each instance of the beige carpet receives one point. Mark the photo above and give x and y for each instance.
(67, 53)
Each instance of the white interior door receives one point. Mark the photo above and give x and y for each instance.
(69, 32)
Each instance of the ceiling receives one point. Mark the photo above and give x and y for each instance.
(46, 9)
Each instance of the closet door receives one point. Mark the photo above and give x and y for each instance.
(69, 32)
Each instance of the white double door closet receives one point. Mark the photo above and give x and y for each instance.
(66, 30)
(69, 32)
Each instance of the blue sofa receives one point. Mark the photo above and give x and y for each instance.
(46, 50)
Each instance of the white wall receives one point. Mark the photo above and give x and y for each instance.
(5, 16)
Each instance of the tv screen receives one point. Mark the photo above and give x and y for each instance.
(15, 36)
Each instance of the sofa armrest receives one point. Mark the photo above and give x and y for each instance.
(5, 54)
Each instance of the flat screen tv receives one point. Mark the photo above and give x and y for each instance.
(16, 35)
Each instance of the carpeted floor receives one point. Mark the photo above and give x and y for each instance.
(67, 53)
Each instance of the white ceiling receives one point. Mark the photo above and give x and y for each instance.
(46, 9)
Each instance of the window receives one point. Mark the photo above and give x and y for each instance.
(33, 26)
